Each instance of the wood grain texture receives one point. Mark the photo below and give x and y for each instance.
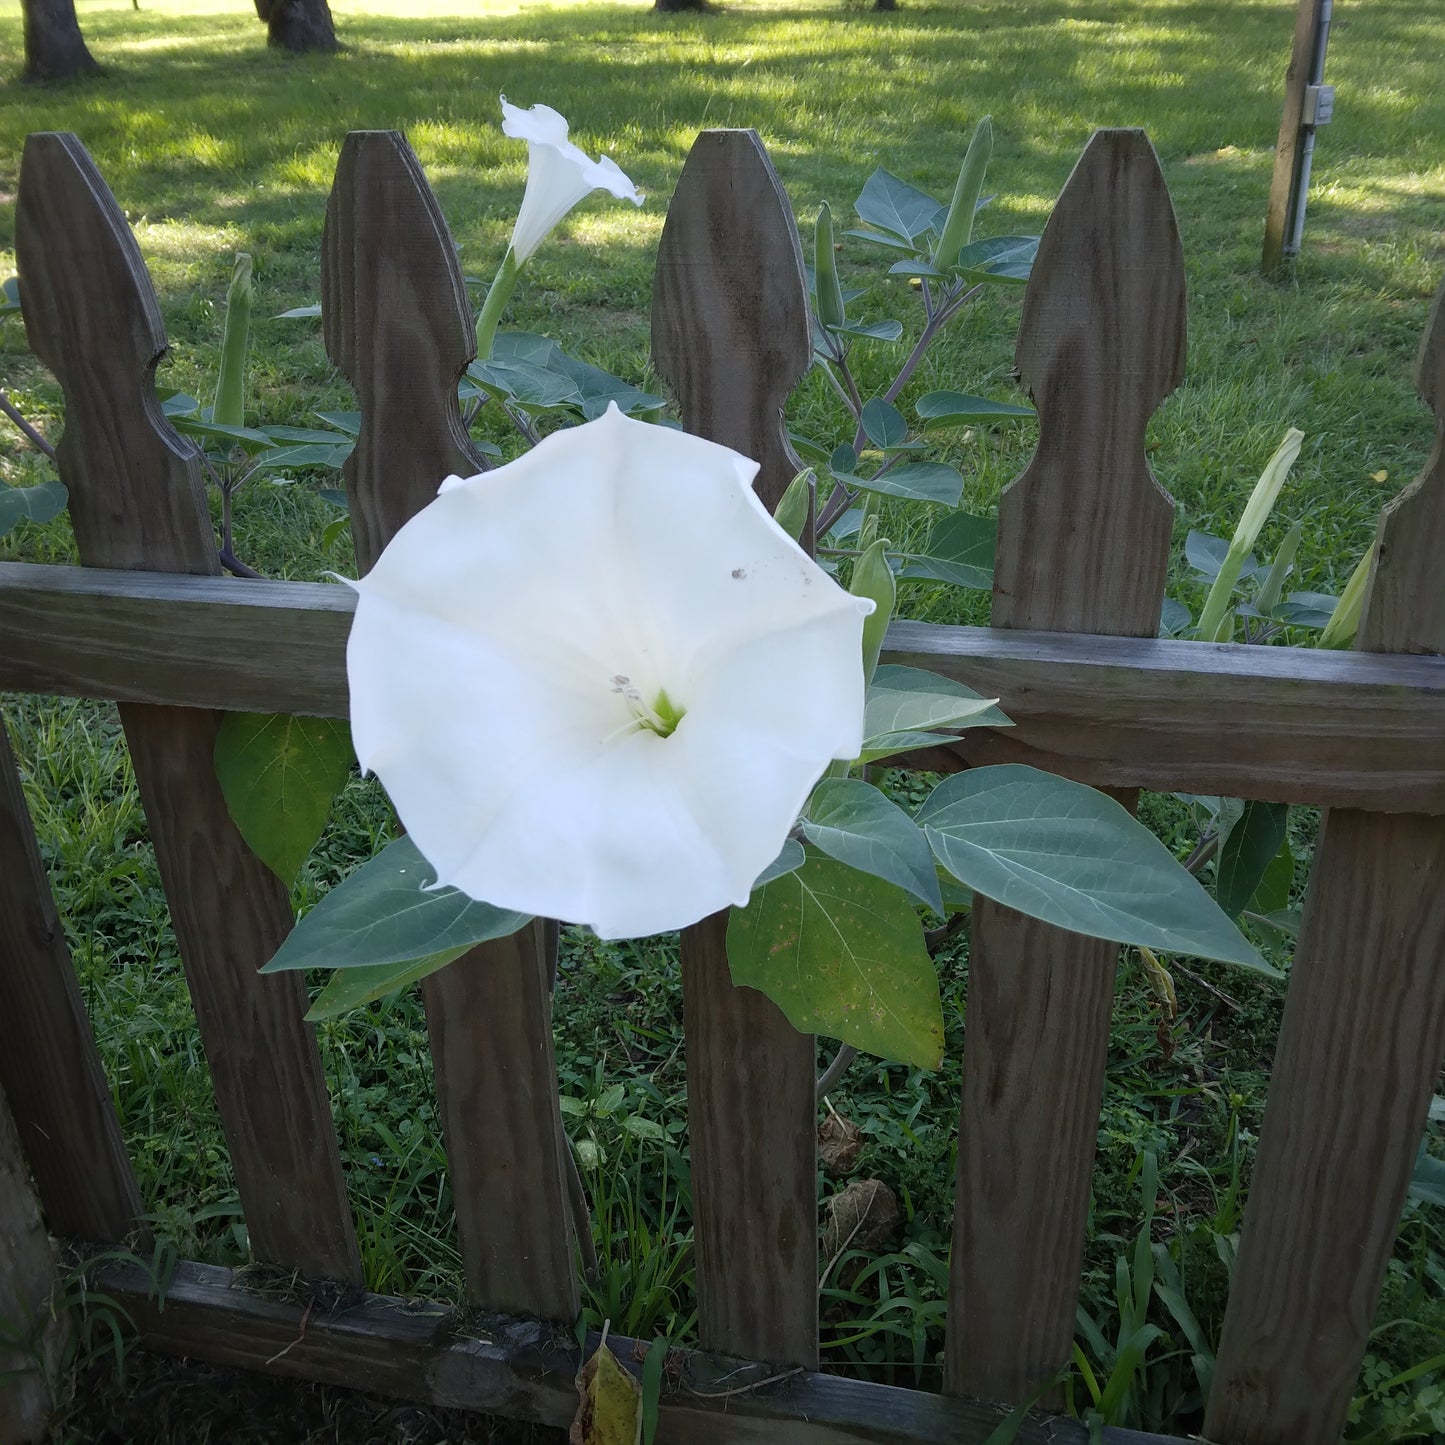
(522, 1370)
(1083, 547)
(398, 325)
(49, 1066)
(1351, 1086)
(27, 1276)
(730, 332)
(1287, 146)
(1285, 724)
(136, 501)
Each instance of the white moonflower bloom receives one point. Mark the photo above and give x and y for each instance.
(600, 682)
(558, 175)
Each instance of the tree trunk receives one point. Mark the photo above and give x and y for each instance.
(298, 24)
(54, 46)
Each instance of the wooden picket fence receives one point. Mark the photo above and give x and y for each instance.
(1083, 551)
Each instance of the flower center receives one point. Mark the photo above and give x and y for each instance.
(660, 716)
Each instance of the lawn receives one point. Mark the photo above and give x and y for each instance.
(212, 145)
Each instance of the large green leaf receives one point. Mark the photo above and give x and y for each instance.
(386, 912)
(1251, 846)
(850, 820)
(1073, 857)
(41, 503)
(1272, 894)
(935, 482)
(898, 209)
(841, 953)
(960, 550)
(278, 775)
(883, 423)
(349, 988)
(905, 705)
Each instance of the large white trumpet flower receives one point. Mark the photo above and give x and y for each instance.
(600, 682)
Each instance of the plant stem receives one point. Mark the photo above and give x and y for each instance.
(835, 1071)
(498, 294)
(31, 435)
(842, 498)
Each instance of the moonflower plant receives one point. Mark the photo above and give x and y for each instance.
(559, 175)
(599, 683)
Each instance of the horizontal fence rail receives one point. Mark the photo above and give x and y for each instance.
(1285, 724)
(1083, 551)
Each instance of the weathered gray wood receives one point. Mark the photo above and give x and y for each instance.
(1287, 146)
(49, 1066)
(1359, 1052)
(730, 332)
(1285, 724)
(136, 500)
(398, 325)
(1083, 547)
(27, 1277)
(522, 1370)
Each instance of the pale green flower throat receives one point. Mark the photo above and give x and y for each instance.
(661, 716)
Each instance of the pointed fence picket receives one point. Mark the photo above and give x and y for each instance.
(1082, 552)
(398, 326)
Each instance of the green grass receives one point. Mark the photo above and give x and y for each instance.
(213, 144)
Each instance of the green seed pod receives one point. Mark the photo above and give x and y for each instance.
(873, 577)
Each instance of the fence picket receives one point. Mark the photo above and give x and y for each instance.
(136, 500)
(27, 1277)
(1083, 547)
(730, 332)
(49, 1066)
(1360, 1047)
(398, 325)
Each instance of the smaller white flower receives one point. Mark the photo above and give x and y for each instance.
(558, 175)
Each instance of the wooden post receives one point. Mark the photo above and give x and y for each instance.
(1285, 177)
(30, 1341)
(730, 332)
(1083, 547)
(136, 501)
(48, 1062)
(398, 324)
(1359, 1051)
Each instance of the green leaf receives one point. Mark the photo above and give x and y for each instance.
(791, 857)
(941, 409)
(999, 258)
(1249, 849)
(1427, 1181)
(895, 207)
(349, 988)
(888, 330)
(906, 704)
(385, 912)
(917, 482)
(41, 503)
(278, 775)
(178, 403)
(1272, 895)
(347, 421)
(850, 820)
(595, 388)
(10, 290)
(883, 424)
(1073, 857)
(843, 460)
(250, 439)
(297, 312)
(960, 550)
(842, 954)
